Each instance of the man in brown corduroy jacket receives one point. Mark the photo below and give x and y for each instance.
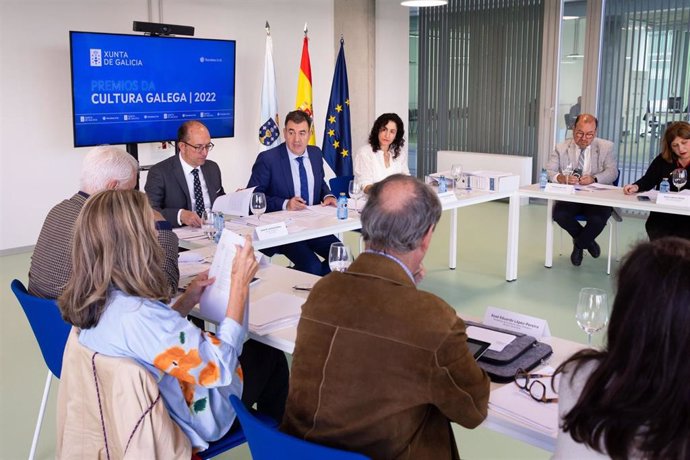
(380, 367)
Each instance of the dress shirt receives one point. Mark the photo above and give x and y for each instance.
(189, 177)
(294, 167)
(396, 260)
(370, 166)
(587, 167)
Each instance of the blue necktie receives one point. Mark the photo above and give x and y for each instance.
(303, 185)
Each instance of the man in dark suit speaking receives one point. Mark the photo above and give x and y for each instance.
(291, 176)
(183, 186)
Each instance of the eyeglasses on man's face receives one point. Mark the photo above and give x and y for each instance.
(200, 148)
(535, 388)
(580, 134)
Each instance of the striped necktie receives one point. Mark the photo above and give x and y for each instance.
(581, 161)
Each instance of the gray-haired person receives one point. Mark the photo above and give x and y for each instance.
(103, 168)
(381, 367)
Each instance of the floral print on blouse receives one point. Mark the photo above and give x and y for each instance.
(196, 371)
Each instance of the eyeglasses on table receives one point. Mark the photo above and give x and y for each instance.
(536, 388)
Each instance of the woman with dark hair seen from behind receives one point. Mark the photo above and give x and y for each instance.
(630, 399)
(383, 156)
(118, 297)
(675, 153)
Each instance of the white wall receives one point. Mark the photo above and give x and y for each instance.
(392, 59)
(38, 165)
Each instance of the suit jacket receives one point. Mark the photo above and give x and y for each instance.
(51, 261)
(167, 188)
(381, 367)
(272, 175)
(603, 164)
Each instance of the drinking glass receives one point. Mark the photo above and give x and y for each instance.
(567, 171)
(258, 204)
(456, 174)
(679, 177)
(592, 313)
(355, 190)
(339, 257)
(208, 224)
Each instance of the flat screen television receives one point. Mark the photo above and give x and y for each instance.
(136, 88)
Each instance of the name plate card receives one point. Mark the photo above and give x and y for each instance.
(562, 189)
(516, 322)
(265, 232)
(673, 199)
(447, 197)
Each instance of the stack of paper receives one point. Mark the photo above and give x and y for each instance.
(273, 312)
(516, 404)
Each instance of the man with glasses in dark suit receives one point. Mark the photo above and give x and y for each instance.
(183, 186)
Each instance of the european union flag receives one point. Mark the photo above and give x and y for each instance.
(337, 143)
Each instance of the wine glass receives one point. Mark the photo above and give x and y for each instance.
(456, 174)
(208, 224)
(355, 190)
(592, 312)
(679, 177)
(567, 171)
(258, 204)
(339, 257)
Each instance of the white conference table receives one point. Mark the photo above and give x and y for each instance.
(469, 198)
(613, 197)
(321, 222)
(278, 279)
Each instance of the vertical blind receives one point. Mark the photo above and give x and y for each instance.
(478, 74)
(644, 82)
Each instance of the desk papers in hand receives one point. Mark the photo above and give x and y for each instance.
(235, 204)
(214, 300)
(517, 405)
(273, 312)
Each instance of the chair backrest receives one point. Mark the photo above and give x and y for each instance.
(50, 330)
(267, 443)
(340, 184)
(615, 182)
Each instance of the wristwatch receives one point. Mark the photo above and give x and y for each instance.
(595, 179)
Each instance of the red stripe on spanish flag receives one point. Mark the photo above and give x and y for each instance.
(304, 97)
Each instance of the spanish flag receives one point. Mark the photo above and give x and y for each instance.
(304, 100)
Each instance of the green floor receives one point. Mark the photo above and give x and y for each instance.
(478, 281)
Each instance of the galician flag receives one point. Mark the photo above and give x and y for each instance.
(269, 131)
(337, 144)
(304, 99)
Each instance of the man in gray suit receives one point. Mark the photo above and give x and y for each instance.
(183, 186)
(591, 160)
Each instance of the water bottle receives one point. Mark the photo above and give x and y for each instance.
(442, 187)
(543, 178)
(219, 224)
(664, 187)
(342, 206)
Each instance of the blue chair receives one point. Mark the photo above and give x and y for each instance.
(51, 333)
(612, 223)
(227, 442)
(340, 185)
(267, 443)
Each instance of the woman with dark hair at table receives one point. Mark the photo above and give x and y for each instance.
(675, 153)
(631, 399)
(383, 156)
